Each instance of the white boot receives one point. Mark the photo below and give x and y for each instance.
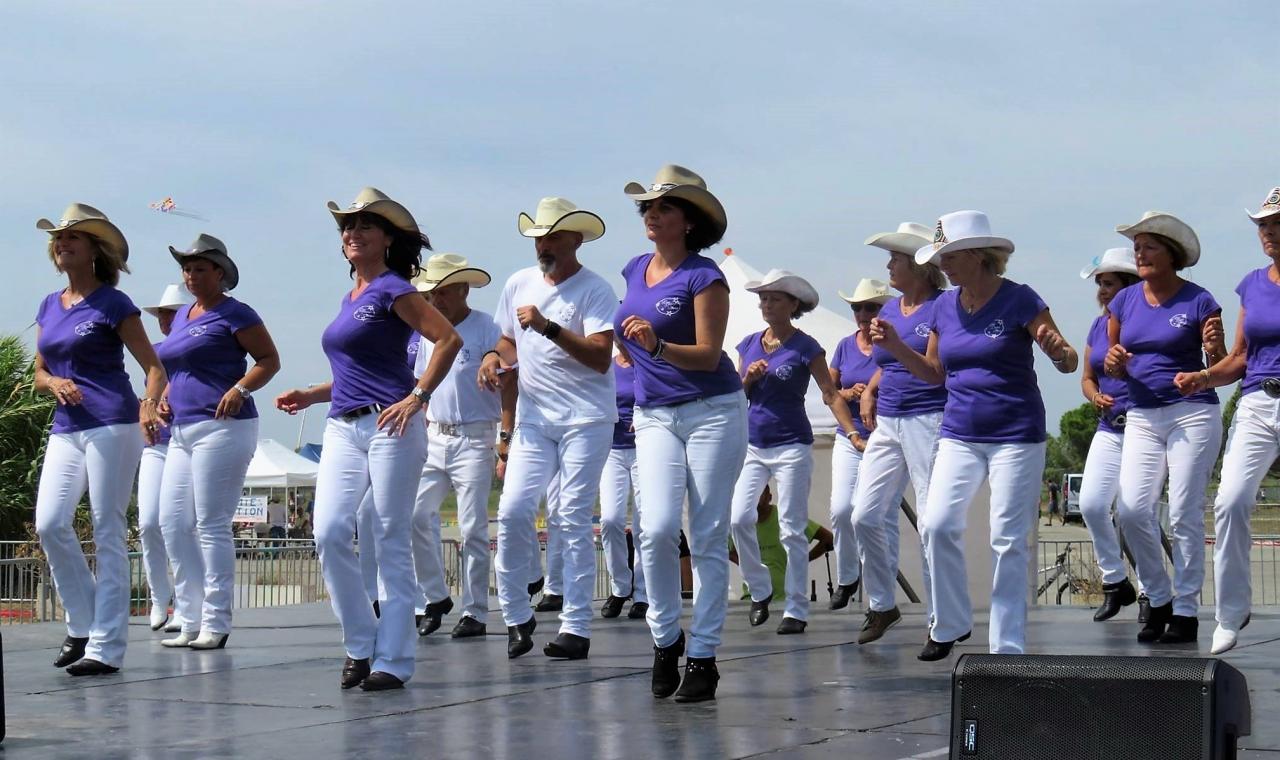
(210, 640)
(159, 616)
(183, 639)
(1223, 639)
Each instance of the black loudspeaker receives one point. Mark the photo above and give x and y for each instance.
(1029, 707)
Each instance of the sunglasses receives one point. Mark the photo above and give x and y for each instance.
(870, 306)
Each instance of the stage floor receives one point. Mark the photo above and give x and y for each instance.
(274, 693)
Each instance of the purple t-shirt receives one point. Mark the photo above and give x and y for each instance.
(1114, 387)
(1164, 341)
(902, 394)
(162, 433)
(624, 379)
(82, 344)
(776, 415)
(854, 367)
(204, 359)
(992, 392)
(1260, 299)
(365, 344)
(668, 306)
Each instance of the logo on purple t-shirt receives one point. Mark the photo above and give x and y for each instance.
(669, 306)
(84, 328)
(413, 349)
(995, 329)
(923, 329)
(783, 372)
(196, 331)
(1179, 320)
(364, 313)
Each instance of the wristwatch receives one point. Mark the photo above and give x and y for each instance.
(420, 394)
(244, 392)
(504, 436)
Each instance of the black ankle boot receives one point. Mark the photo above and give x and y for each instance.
(700, 679)
(1115, 596)
(1183, 629)
(666, 668)
(1157, 619)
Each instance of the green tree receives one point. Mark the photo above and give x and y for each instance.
(24, 426)
(1066, 451)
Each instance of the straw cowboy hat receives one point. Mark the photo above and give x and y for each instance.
(782, 281)
(371, 200)
(1167, 226)
(962, 231)
(89, 220)
(1113, 260)
(868, 290)
(908, 239)
(1270, 206)
(679, 182)
(449, 269)
(556, 214)
(211, 249)
(174, 298)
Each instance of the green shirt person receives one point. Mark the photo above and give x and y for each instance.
(772, 553)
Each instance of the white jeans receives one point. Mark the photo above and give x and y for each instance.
(463, 463)
(155, 560)
(1097, 492)
(577, 452)
(1183, 440)
(693, 450)
(367, 546)
(620, 480)
(846, 461)
(104, 460)
(356, 457)
(203, 479)
(1014, 471)
(555, 545)
(792, 465)
(899, 450)
(1252, 446)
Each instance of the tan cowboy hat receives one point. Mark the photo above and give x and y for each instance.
(173, 298)
(556, 214)
(782, 281)
(1270, 206)
(449, 269)
(91, 221)
(679, 182)
(907, 239)
(212, 249)
(1165, 225)
(1113, 260)
(371, 200)
(868, 289)
(962, 231)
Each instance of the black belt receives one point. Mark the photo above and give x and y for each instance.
(1271, 387)
(362, 411)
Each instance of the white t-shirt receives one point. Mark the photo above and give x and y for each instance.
(459, 400)
(555, 388)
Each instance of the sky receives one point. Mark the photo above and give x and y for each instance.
(817, 124)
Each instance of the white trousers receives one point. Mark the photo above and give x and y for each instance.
(1252, 446)
(357, 457)
(792, 466)
(621, 479)
(899, 450)
(1181, 439)
(367, 546)
(1014, 471)
(1097, 493)
(846, 462)
(538, 452)
(203, 479)
(104, 460)
(691, 450)
(463, 463)
(155, 560)
(555, 545)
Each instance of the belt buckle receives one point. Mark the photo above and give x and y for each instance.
(445, 429)
(1118, 421)
(1271, 387)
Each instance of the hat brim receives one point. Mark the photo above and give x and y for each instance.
(1168, 226)
(882, 300)
(155, 310)
(897, 242)
(1262, 214)
(585, 223)
(793, 286)
(102, 230)
(1096, 269)
(700, 197)
(393, 212)
(476, 278)
(929, 254)
(230, 273)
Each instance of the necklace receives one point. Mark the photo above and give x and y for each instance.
(770, 345)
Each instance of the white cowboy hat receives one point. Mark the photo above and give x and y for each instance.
(961, 231)
(1270, 206)
(371, 200)
(173, 298)
(908, 239)
(1168, 226)
(556, 214)
(91, 221)
(868, 290)
(209, 247)
(782, 281)
(449, 269)
(679, 182)
(1112, 260)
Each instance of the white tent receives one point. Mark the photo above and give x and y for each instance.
(277, 466)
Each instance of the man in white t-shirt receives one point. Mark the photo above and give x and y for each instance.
(557, 324)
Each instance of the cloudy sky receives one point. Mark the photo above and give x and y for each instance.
(817, 124)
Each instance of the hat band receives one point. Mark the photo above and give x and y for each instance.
(656, 188)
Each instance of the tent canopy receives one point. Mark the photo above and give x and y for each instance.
(276, 466)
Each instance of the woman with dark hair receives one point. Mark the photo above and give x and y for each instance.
(1111, 272)
(82, 331)
(1157, 329)
(374, 437)
(690, 420)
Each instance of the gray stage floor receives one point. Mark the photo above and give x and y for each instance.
(274, 693)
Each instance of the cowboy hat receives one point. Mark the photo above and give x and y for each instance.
(1113, 260)
(679, 182)
(1166, 226)
(782, 281)
(962, 231)
(91, 221)
(213, 250)
(868, 290)
(556, 214)
(449, 269)
(907, 239)
(173, 298)
(371, 200)
(1270, 206)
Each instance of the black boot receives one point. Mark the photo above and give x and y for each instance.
(1183, 629)
(72, 650)
(700, 679)
(1144, 608)
(520, 638)
(1115, 596)
(1157, 619)
(844, 592)
(666, 667)
(759, 611)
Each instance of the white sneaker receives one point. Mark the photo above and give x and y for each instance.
(183, 639)
(1223, 639)
(159, 616)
